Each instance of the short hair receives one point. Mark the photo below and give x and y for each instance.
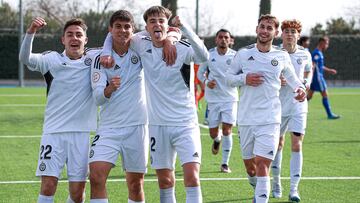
(303, 39)
(223, 30)
(323, 39)
(269, 17)
(296, 24)
(157, 10)
(122, 15)
(75, 21)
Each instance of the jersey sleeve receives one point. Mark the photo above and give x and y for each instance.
(316, 57)
(308, 65)
(234, 76)
(34, 62)
(200, 52)
(98, 81)
(201, 72)
(290, 75)
(107, 46)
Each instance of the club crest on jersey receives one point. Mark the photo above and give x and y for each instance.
(274, 62)
(42, 166)
(316, 57)
(134, 59)
(91, 153)
(299, 61)
(228, 62)
(88, 61)
(96, 77)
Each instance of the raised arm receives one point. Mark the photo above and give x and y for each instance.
(33, 61)
(200, 50)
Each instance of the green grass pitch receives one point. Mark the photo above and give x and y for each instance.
(331, 171)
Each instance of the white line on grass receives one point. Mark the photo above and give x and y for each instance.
(22, 105)
(22, 95)
(201, 179)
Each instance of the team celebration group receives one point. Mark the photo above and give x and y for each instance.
(143, 85)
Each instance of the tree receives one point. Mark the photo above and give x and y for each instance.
(170, 4)
(337, 26)
(265, 7)
(8, 18)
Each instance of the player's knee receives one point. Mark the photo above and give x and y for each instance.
(97, 178)
(191, 180)
(251, 171)
(77, 196)
(48, 188)
(296, 147)
(166, 182)
(136, 187)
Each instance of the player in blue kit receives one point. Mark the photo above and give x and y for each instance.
(318, 81)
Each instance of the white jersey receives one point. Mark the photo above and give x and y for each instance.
(169, 99)
(70, 106)
(126, 106)
(261, 105)
(301, 60)
(216, 66)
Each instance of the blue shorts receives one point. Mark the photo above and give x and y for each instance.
(318, 84)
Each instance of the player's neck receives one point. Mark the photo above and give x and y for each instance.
(320, 48)
(222, 50)
(290, 48)
(121, 49)
(264, 47)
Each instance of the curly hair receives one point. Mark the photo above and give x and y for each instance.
(291, 24)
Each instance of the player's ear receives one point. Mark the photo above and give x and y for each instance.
(276, 33)
(63, 40)
(109, 28)
(146, 28)
(86, 40)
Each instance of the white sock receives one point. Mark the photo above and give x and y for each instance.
(69, 200)
(193, 194)
(45, 199)
(295, 169)
(131, 201)
(262, 190)
(276, 167)
(167, 195)
(99, 200)
(226, 148)
(218, 138)
(252, 180)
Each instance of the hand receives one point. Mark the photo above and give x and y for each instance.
(301, 94)
(114, 83)
(169, 52)
(283, 80)
(332, 71)
(107, 61)
(36, 25)
(254, 79)
(211, 84)
(176, 21)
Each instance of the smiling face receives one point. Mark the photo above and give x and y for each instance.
(121, 31)
(266, 31)
(74, 40)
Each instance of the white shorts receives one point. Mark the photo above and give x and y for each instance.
(167, 141)
(222, 112)
(58, 149)
(131, 143)
(259, 140)
(295, 123)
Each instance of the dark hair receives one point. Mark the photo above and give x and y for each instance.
(157, 10)
(323, 39)
(303, 39)
(122, 15)
(75, 21)
(223, 30)
(269, 17)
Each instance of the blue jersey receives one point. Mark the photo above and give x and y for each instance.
(318, 82)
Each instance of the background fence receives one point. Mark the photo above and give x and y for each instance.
(343, 54)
